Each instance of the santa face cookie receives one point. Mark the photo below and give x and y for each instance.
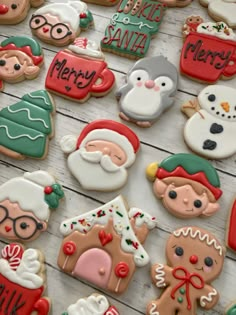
(25, 216)
(187, 185)
(95, 304)
(151, 85)
(176, 3)
(195, 258)
(22, 274)
(209, 50)
(132, 27)
(60, 23)
(104, 150)
(79, 72)
(15, 11)
(20, 59)
(211, 126)
(222, 10)
(103, 246)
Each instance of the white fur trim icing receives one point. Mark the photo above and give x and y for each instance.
(68, 143)
(153, 310)
(93, 305)
(91, 50)
(160, 276)
(207, 298)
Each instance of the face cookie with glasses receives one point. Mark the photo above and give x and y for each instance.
(25, 204)
(59, 24)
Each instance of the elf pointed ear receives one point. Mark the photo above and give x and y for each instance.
(159, 188)
(211, 209)
(31, 72)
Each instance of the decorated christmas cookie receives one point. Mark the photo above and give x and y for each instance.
(20, 59)
(15, 11)
(211, 126)
(25, 204)
(60, 23)
(176, 3)
(195, 258)
(222, 10)
(132, 27)
(95, 304)
(231, 310)
(209, 50)
(99, 157)
(27, 126)
(103, 247)
(231, 230)
(80, 72)
(22, 274)
(149, 90)
(187, 185)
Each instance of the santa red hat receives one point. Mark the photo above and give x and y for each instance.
(107, 130)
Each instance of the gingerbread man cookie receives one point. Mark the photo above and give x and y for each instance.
(22, 278)
(188, 185)
(195, 258)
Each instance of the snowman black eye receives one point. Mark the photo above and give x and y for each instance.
(138, 78)
(234, 107)
(229, 117)
(213, 108)
(163, 84)
(217, 113)
(212, 98)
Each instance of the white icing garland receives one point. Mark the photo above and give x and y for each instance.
(153, 310)
(21, 136)
(142, 217)
(40, 97)
(160, 276)
(207, 298)
(28, 113)
(126, 21)
(205, 237)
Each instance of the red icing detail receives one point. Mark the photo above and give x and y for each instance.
(104, 237)
(42, 306)
(193, 259)
(232, 230)
(8, 228)
(83, 15)
(48, 190)
(3, 9)
(1, 85)
(199, 177)
(12, 254)
(187, 279)
(111, 125)
(112, 310)
(207, 58)
(122, 270)
(45, 29)
(135, 245)
(69, 248)
(27, 50)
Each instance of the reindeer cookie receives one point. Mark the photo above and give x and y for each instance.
(195, 258)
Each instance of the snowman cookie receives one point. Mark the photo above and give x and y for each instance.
(211, 127)
(222, 10)
(150, 89)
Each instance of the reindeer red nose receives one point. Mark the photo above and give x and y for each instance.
(8, 228)
(3, 9)
(193, 259)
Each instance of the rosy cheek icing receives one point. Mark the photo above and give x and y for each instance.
(176, 257)
(156, 88)
(207, 269)
(139, 84)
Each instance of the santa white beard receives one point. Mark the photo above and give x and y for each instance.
(95, 171)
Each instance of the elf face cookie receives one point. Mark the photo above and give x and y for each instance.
(195, 258)
(22, 275)
(60, 23)
(231, 310)
(187, 185)
(20, 59)
(27, 126)
(102, 246)
(15, 11)
(80, 72)
(25, 216)
(99, 157)
(176, 3)
(222, 10)
(211, 126)
(209, 51)
(132, 27)
(151, 85)
(95, 304)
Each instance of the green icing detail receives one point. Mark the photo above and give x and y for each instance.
(231, 310)
(40, 98)
(180, 299)
(22, 41)
(85, 22)
(65, 313)
(53, 199)
(192, 164)
(182, 290)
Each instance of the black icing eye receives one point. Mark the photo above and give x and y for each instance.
(208, 261)
(229, 117)
(14, 6)
(138, 78)
(212, 98)
(179, 251)
(59, 30)
(163, 84)
(213, 108)
(190, 20)
(23, 225)
(197, 203)
(172, 194)
(2, 63)
(234, 106)
(17, 66)
(39, 226)
(37, 21)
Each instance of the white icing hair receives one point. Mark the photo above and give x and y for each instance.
(93, 305)
(28, 192)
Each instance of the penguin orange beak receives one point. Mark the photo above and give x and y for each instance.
(225, 106)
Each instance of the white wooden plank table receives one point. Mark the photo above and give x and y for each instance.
(164, 138)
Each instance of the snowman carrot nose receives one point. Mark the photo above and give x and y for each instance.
(225, 106)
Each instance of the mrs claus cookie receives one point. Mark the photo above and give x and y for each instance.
(222, 10)
(27, 126)
(25, 204)
(22, 275)
(15, 11)
(211, 126)
(149, 90)
(187, 185)
(20, 58)
(95, 304)
(60, 23)
(195, 258)
(99, 157)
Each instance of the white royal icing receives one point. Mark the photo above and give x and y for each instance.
(92, 49)
(153, 310)
(160, 276)
(116, 210)
(219, 29)
(142, 217)
(39, 97)
(207, 298)
(20, 136)
(93, 305)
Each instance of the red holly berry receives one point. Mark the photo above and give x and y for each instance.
(83, 15)
(48, 190)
